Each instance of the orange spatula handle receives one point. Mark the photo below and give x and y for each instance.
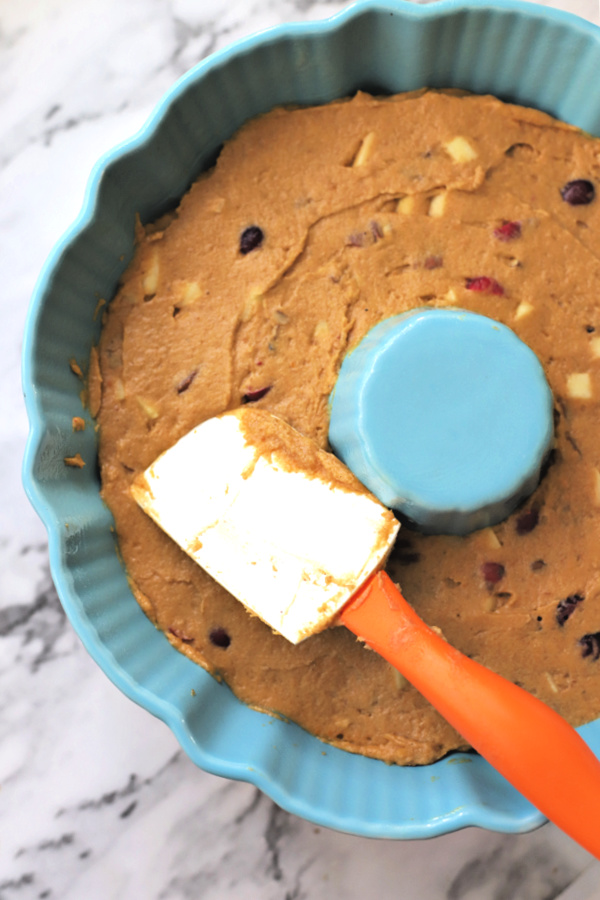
(525, 740)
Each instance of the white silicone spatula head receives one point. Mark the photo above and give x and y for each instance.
(237, 493)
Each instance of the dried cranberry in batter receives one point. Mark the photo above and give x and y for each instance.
(314, 225)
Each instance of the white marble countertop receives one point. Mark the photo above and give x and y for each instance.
(109, 806)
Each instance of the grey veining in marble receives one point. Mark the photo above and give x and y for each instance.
(97, 801)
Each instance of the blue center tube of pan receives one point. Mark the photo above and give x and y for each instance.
(446, 416)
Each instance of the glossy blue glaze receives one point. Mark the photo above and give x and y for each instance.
(446, 416)
(519, 51)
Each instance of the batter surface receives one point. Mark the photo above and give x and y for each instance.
(314, 225)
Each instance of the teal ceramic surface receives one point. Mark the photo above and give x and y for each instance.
(517, 51)
(446, 416)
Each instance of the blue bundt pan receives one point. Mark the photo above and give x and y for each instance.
(518, 51)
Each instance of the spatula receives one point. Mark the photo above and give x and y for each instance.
(290, 532)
